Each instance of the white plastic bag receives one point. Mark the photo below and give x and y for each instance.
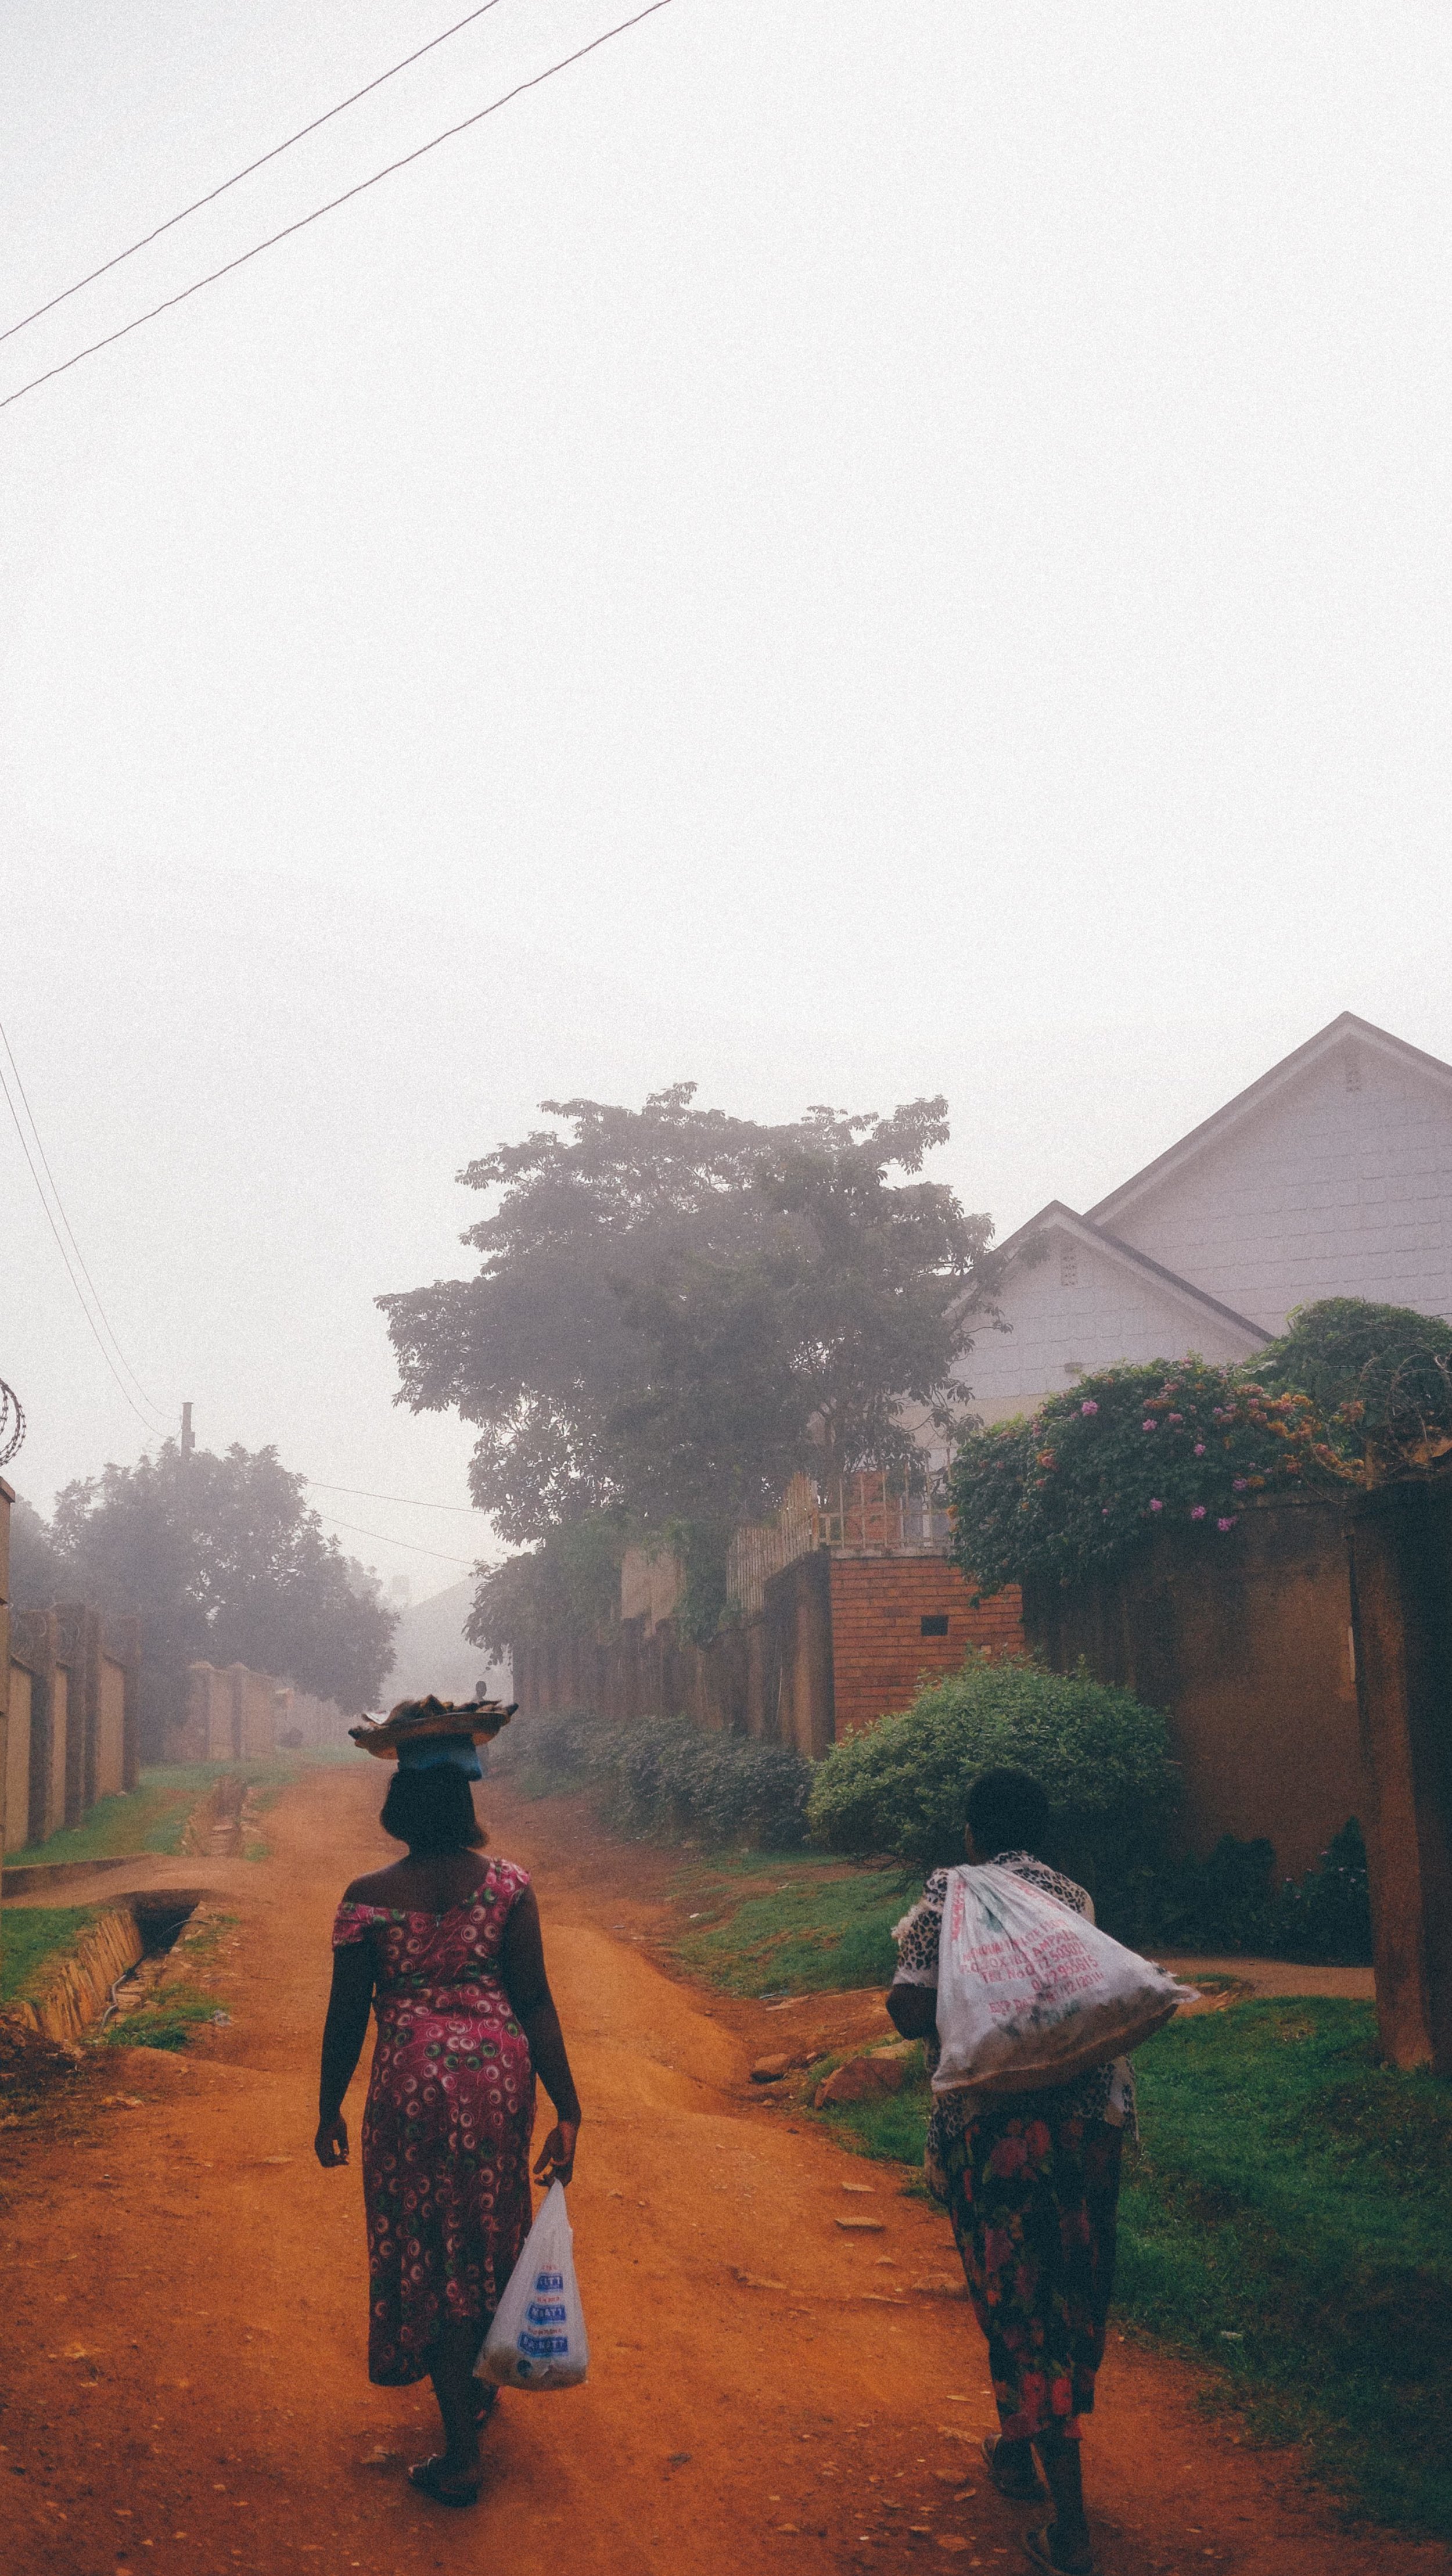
(1031, 1994)
(537, 2339)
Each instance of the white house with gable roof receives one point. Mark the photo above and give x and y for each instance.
(1330, 1177)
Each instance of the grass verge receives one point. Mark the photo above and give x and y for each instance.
(152, 1817)
(771, 1922)
(32, 1939)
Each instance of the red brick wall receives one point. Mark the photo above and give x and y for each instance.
(879, 1652)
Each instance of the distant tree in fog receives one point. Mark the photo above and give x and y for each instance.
(676, 1310)
(37, 1568)
(225, 1562)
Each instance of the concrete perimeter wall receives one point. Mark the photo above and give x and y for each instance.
(71, 1735)
(1244, 1638)
(839, 1643)
(232, 1715)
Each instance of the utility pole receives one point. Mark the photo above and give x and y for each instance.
(188, 1444)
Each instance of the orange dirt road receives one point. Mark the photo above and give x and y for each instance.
(182, 2376)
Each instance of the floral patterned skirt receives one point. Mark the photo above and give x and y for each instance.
(1032, 2187)
(445, 2176)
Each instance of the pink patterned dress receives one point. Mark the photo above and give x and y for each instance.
(447, 2126)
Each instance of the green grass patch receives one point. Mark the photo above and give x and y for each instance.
(168, 2023)
(890, 2128)
(33, 1939)
(152, 1817)
(1292, 2221)
(773, 1923)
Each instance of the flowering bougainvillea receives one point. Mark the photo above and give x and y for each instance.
(1130, 1450)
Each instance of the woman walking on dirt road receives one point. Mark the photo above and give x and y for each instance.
(1031, 2181)
(446, 1944)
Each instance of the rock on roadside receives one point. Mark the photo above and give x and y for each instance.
(881, 2070)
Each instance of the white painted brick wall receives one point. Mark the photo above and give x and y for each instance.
(1323, 1192)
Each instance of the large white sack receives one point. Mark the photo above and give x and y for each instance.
(1030, 1994)
(537, 2339)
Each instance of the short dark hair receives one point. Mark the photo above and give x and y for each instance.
(1008, 1811)
(432, 1811)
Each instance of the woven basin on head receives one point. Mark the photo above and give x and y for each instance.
(421, 1721)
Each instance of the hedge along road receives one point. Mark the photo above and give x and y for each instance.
(186, 2306)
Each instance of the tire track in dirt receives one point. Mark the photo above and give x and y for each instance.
(185, 2383)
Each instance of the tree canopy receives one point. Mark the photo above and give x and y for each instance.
(676, 1309)
(225, 1562)
(1380, 1375)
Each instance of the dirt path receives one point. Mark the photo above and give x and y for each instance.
(183, 2361)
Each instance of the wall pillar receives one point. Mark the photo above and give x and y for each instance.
(128, 1655)
(71, 1654)
(1400, 1542)
(34, 1642)
(7, 1497)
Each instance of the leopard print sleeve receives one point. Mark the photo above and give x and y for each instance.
(918, 1933)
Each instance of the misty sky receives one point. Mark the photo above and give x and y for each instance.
(834, 550)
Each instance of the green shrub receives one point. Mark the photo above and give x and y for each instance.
(669, 1777)
(665, 1776)
(1129, 1451)
(541, 1756)
(1381, 1376)
(1231, 1902)
(1103, 1757)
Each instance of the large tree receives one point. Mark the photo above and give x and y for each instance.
(676, 1309)
(225, 1562)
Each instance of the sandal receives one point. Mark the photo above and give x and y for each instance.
(1019, 2490)
(427, 2476)
(1039, 2545)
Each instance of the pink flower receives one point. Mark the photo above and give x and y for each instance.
(1199, 1449)
(1228, 1524)
(1177, 1417)
(1157, 1507)
(1239, 1485)
(1149, 1426)
(1089, 1405)
(1198, 1513)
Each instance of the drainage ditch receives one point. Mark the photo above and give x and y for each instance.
(161, 1918)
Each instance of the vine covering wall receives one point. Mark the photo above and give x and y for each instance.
(1128, 1451)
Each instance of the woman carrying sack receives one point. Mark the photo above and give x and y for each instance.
(1032, 2184)
(446, 1945)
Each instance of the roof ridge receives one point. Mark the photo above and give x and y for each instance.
(1346, 1024)
(1115, 1243)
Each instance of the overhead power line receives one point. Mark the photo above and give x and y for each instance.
(148, 1400)
(238, 176)
(412, 1545)
(405, 161)
(71, 1271)
(366, 1494)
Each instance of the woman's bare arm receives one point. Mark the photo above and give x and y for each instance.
(344, 2032)
(533, 2006)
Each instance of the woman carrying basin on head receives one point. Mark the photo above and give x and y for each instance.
(446, 1946)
